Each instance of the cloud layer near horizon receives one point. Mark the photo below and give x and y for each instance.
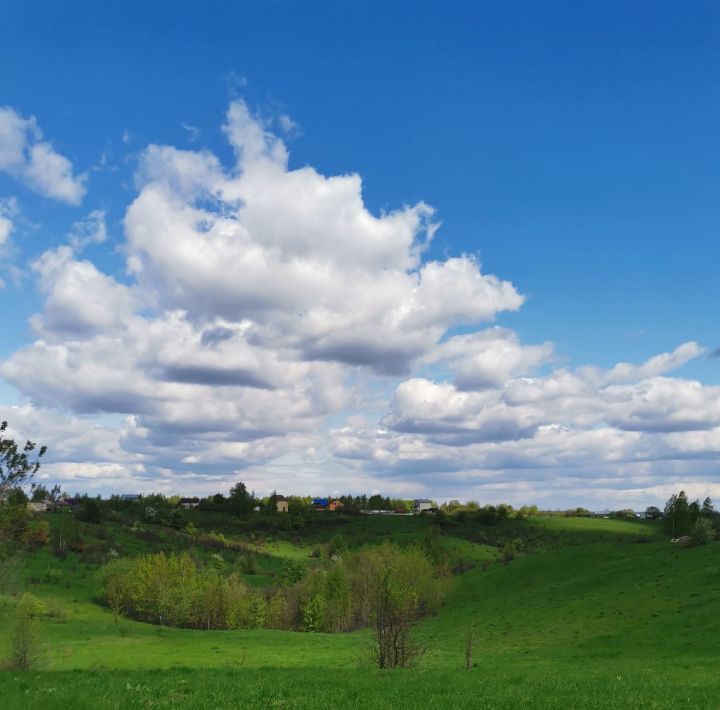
(270, 324)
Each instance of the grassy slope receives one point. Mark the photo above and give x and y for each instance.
(597, 623)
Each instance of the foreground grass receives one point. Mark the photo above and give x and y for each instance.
(309, 688)
(601, 615)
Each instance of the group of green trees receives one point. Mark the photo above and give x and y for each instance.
(382, 584)
(682, 517)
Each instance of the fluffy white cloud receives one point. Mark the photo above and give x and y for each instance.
(79, 299)
(261, 302)
(299, 255)
(569, 433)
(489, 357)
(8, 211)
(27, 157)
(91, 230)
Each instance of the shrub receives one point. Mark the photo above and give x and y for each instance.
(89, 511)
(39, 535)
(52, 575)
(24, 640)
(703, 531)
(55, 611)
(177, 520)
(341, 595)
(248, 563)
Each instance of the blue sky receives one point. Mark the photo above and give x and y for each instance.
(571, 148)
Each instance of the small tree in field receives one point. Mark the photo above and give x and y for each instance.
(469, 640)
(24, 641)
(398, 592)
(703, 531)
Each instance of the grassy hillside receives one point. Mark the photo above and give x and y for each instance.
(598, 613)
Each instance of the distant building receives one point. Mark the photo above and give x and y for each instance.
(320, 503)
(422, 504)
(335, 505)
(281, 502)
(39, 506)
(189, 503)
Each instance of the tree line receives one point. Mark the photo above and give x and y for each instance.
(681, 517)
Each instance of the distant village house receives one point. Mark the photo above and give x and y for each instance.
(281, 502)
(423, 504)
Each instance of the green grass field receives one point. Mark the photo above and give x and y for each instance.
(597, 614)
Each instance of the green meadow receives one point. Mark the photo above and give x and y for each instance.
(591, 613)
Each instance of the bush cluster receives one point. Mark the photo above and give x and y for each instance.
(342, 594)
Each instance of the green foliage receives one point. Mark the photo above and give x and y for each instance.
(293, 572)
(30, 606)
(177, 520)
(52, 575)
(653, 513)
(401, 588)
(239, 500)
(174, 590)
(432, 545)
(17, 465)
(561, 628)
(171, 590)
(15, 519)
(89, 511)
(217, 561)
(39, 535)
(23, 654)
(703, 531)
(248, 563)
(39, 493)
(681, 516)
(313, 613)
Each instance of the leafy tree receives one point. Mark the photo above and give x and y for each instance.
(452, 505)
(24, 641)
(14, 529)
(39, 494)
(375, 502)
(17, 496)
(703, 531)
(669, 515)
(707, 508)
(177, 520)
(694, 509)
(240, 501)
(396, 600)
(677, 515)
(18, 464)
(653, 513)
(433, 547)
(89, 511)
(39, 535)
(293, 572)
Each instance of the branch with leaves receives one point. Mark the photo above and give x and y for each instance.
(18, 464)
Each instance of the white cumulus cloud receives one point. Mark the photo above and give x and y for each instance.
(26, 156)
